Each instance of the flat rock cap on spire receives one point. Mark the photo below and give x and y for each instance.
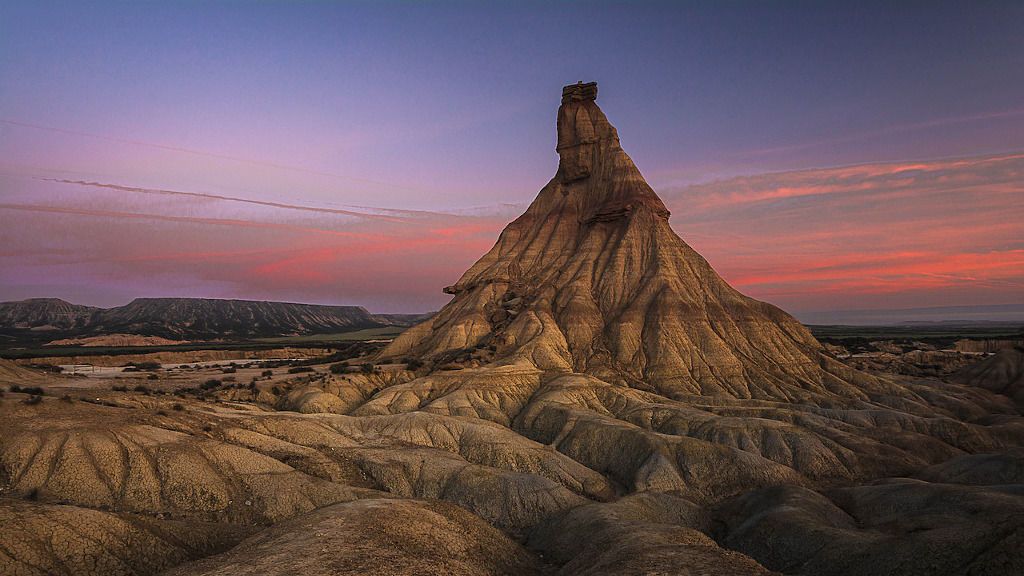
(579, 92)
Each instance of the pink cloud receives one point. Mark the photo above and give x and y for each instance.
(916, 233)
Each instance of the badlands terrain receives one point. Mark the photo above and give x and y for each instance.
(594, 399)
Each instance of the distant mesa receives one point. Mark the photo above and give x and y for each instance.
(181, 319)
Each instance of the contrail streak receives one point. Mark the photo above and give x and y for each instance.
(187, 219)
(230, 199)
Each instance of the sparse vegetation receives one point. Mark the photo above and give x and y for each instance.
(32, 400)
(413, 363)
(211, 384)
(267, 373)
(178, 407)
(368, 368)
(300, 370)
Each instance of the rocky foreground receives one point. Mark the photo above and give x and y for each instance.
(594, 400)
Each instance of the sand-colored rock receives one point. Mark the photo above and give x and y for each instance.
(385, 537)
(50, 540)
(592, 279)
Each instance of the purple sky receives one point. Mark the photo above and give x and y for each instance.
(819, 157)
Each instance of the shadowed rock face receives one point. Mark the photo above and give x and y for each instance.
(596, 400)
(1003, 372)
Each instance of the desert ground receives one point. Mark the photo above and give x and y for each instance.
(594, 399)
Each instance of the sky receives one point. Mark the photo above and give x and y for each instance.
(822, 157)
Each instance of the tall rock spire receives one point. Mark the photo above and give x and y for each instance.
(592, 279)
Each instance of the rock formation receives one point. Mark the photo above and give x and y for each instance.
(592, 279)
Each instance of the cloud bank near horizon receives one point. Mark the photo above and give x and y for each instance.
(904, 234)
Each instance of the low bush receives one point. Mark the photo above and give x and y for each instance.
(211, 384)
(299, 369)
(33, 400)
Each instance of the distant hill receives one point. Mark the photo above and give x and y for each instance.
(191, 318)
(45, 314)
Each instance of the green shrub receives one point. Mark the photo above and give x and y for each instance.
(368, 368)
(210, 384)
